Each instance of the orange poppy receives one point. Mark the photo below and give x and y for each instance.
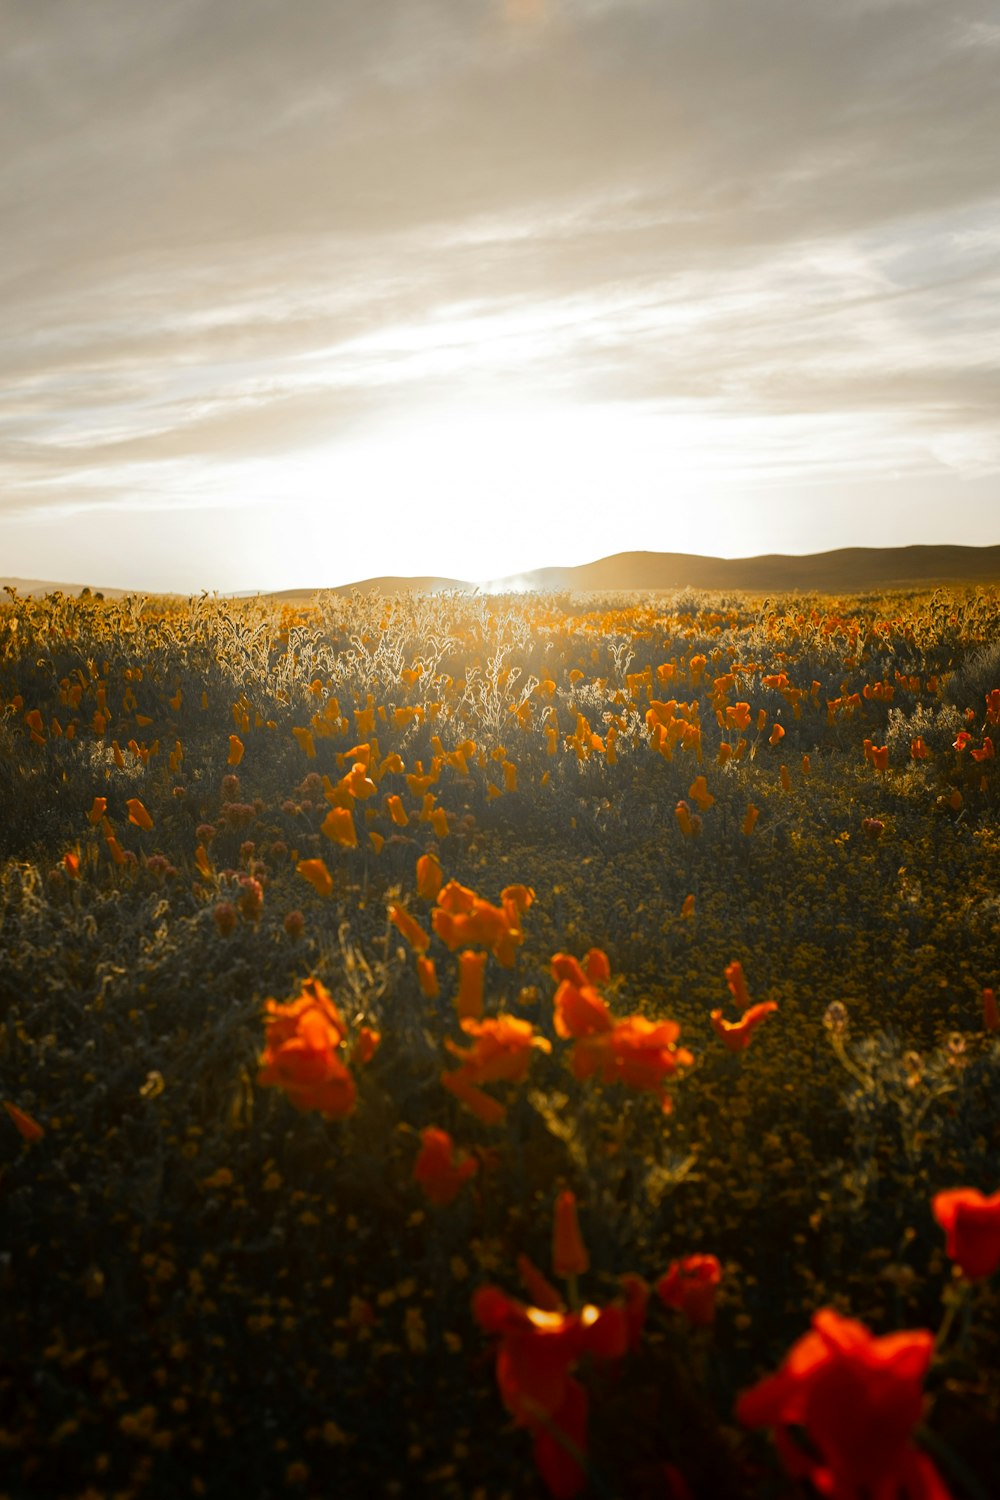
(138, 815)
(698, 792)
(411, 929)
(235, 750)
(991, 1015)
(439, 1172)
(98, 808)
(317, 874)
(501, 1049)
(427, 977)
(396, 810)
(569, 1254)
(26, 1126)
(736, 980)
(301, 1046)
(750, 821)
(338, 825)
(471, 974)
(736, 1035)
(430, 876)
(487, 1109)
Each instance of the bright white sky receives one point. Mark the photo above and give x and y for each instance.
(295, 295)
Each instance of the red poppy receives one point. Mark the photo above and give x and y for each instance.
(857, 1399)
(972, 1225)
(536, 1354)
(689, 1286)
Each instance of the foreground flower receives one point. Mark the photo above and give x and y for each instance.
(301, 1047)
(856, 1400)
(438, 1171)
(537, 1353)
(972, 1225)
(689, 1286)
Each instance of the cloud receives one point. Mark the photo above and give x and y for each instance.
(235, 229)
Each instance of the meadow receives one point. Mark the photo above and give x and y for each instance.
(461, 1045)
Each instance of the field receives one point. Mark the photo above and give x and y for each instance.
(456, 1045)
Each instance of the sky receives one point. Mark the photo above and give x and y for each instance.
(300, 292)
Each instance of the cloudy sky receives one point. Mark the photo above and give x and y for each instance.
(296, 292)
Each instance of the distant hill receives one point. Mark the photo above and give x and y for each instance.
(849, 570)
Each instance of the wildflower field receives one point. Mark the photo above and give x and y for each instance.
(500, 1047)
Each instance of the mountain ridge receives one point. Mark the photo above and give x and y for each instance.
(841, 570)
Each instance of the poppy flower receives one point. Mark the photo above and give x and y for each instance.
(687, 907)
(537, 1351)
(338, 825)
(736, 980)
(856, 1399)
(736, 1035)
(27, 1127)
(439, 1172)
(635, 1052)
(317, 874)
(580, 1009)
(427, 977)
(501, 1049)
(430, 877)
(98, 808)
(471, 973)
(138, 815)
(569, 1254)
(397, 812)
(972, 1225)
(541, 1291)
(411, 929)
(698, 792)
(487, 1109)
(235, 750)
(301, 1046)
(777, 734)
(991, 1014)
(689, 1286)
(366, 1044)
(306, 742)
(749, 822)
